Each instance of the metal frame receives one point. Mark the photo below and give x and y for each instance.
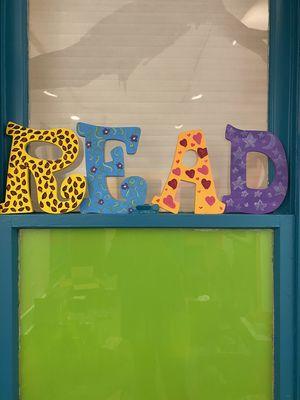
(284, 112)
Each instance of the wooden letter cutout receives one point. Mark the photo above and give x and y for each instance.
(17, 196)
(206, 201)
(243, 199)
(133, 189)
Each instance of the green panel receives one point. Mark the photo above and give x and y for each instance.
(146, 314)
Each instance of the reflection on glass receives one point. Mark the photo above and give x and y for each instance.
(146, 314)
(166, 66)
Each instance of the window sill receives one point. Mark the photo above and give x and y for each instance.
(159, 220)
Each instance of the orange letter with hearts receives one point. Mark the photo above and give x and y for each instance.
(206, 201)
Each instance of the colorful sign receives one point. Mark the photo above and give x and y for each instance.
(133, 189)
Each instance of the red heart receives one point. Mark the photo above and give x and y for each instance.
(205, 183)
(203, 170)
(183, 142)
(197, 138)
(202, 152)
(190, 173)
(173, 183)
(168, 201)
(193, 144)
(176, 171)
(210, 200)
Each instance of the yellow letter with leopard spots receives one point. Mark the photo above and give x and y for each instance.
(17, 196)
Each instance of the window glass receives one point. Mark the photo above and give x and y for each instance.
(165, 66)
(152, 314)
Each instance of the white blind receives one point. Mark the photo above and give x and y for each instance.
(166, 66)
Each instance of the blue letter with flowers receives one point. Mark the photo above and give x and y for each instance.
(133, 189)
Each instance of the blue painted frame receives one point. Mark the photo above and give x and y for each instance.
(13, 74)
(284, 118)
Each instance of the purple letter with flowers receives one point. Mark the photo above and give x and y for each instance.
(133, 189)
(255, 201)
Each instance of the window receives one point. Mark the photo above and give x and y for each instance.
(193, 320)
(155, 65)
(268, 243)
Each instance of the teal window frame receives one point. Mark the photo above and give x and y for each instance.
(284, 120)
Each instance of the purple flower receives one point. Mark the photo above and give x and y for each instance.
(130, 210)
(88, 144)
(134, 138)
(120, 165)
(238, 183)
(93, 169)
(101, 202)
(260, 206)
(125, 186)
(258, 193)
(280, 190)
(249, 140)
(238, 154)
(106, 131)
